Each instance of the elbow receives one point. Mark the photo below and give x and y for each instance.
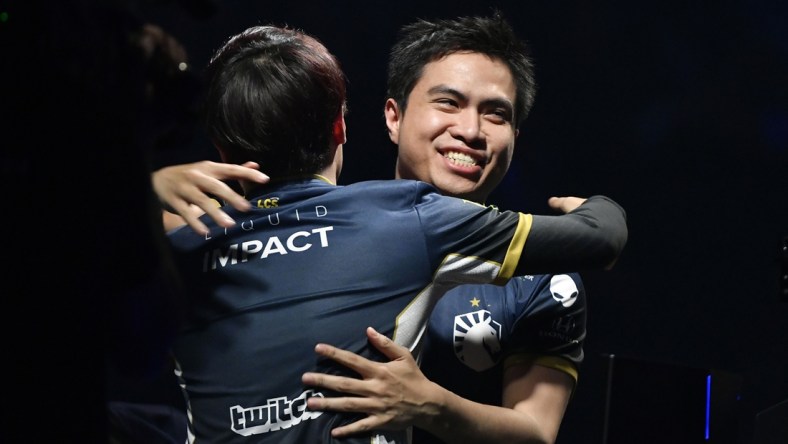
(612, 249)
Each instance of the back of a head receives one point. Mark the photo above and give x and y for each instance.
(274, 95)
(423, 41)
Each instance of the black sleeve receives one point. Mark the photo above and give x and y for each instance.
(589, 238)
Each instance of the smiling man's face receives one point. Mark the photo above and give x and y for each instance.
(457, 132)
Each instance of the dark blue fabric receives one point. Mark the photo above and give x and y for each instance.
(474, 328)
(143, 423)
(314, 262)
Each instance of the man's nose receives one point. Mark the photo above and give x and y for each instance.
(467, 127)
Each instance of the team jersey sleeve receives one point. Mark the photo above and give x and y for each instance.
(549, 323)
(469, 242)
(589, 238)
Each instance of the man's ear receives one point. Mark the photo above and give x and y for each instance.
(393, 119)
(340, 130)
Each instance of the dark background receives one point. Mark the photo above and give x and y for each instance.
(678, 110)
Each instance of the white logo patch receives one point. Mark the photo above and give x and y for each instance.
(563, 289)
(477, 340)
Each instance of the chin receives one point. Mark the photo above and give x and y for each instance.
(455, 189)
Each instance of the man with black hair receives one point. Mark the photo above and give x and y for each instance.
(312, 261)
(502, 361)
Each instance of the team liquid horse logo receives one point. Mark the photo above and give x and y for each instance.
(477, 340)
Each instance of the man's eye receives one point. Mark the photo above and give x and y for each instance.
(448, 102)
(499, 115)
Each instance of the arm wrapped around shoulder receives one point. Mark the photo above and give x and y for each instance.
(591, 237)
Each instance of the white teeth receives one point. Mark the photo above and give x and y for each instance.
(460, 159)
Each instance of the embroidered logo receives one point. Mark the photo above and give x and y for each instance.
(564, 289)
(477, 340)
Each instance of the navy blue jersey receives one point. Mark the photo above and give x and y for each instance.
(477, 330)
(314, 262)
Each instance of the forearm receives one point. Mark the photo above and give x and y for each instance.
(589, 238)
(458, 420)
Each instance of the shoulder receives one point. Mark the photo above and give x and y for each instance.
(549, 295)
(401, 192)
(392, 186)
(548, 280)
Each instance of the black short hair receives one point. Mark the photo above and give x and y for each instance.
(274, 94)
(422, 42)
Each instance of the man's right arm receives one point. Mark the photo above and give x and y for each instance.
(591, 234)
(596, 224)
(592, 231)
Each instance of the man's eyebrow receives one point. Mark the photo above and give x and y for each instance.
(499, 103)
(503, 104)
(444, 89)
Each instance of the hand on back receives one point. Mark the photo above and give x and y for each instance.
(187, 189)
(394, 394)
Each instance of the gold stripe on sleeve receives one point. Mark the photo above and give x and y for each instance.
(515, 249)
(553, 362)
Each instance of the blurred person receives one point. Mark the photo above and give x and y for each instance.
(89, 287)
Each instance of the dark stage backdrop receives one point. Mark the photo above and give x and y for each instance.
(678, 110)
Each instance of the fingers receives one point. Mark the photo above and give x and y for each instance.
(362, 425)
(196, 225)
(211, 178)
(378, 393)
(342, 384)
(349, 405)
(336, 383)
(206, 178)
(188, 188)
(190, 202)
(252, 173)
(222, 191)
(186, 217)
(185, 213)
(386, 346)
(215, 213)
(565, 204)
(248, 171)
(357, 363)
(360, 364)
